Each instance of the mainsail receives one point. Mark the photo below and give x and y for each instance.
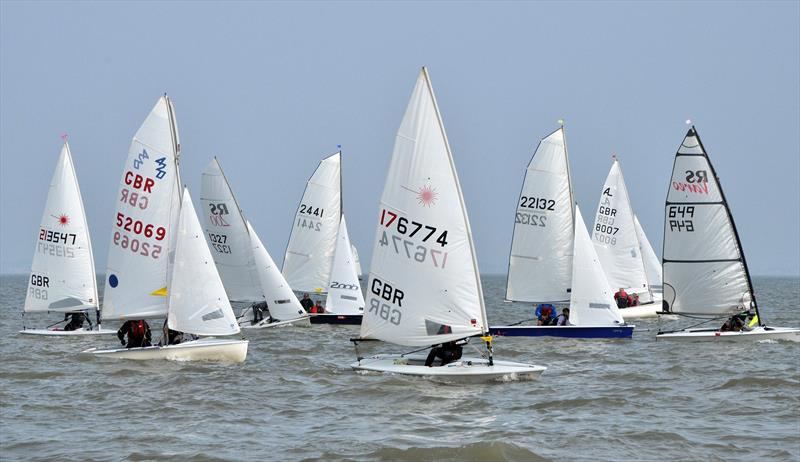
(423, 284)
(652, 265)
(344, 290)
(198, 303)
(309, 255)
(227, 236)
(357, 259)
(540, 263)
(615, 239)
(282, 302)
(62, 273)
(592, 300)
(705, 271)
(145, 222)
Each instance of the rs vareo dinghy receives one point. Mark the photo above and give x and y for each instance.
(246, 268)
(159, 263)
(424, 286)
(705, 271)
(62, 278)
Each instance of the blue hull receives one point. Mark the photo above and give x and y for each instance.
(351, 319)
(563, 331)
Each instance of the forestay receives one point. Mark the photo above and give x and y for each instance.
(704, 268)
(423, 284)
(344, 290)
(592, 301)
(540, 263)
(62, 273)
(652, 265)
(309, 255)
(146, 218)
(227, 236)
(615, 240)
(198, 303)
(282, 302)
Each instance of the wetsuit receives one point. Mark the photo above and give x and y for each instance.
(307, 304)
(76, 322)
(138, 333)
(448, 352)
(258, 312)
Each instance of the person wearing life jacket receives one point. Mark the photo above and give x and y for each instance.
(734, 324)
(633, 300)
(447, 352)
(545, 314)
(138, 332)
(75, 320)
(258, 312)
(622, 298)
(563, 318)
(752, 320)
(306, 303)
(169, 336)
(317, 308)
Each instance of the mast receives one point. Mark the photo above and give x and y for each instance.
(233, 196)
(463, 208)
(733, 224)
(633, 225)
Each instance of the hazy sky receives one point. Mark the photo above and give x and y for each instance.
(271, 88)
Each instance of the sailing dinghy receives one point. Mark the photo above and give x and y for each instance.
(540, 265)
(62, 275)
(705, 271)
(345, 301)
(593, 312)
(159, 264)
(246, 268)
(424, 286)
(616, 237)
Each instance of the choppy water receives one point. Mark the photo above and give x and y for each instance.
(295, 398)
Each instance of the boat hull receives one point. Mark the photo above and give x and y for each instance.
(67, 333)
(625, 331)
(350, 319)
(463, 370)
(714, 335)
(204, 349)
(266, 324)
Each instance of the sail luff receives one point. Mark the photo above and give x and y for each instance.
(461, 201)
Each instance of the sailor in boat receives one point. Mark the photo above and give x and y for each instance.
(75, 320)
(634, 300)
(317, 308)
(258, 312)
(447, 352)
(306, 303)
(735, 323)
(545, 314)
(622, 298)
(138, 332)
(172, 337)
(563, 318)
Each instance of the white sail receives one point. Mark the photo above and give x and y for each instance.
(344, 290)
(281, 300)
(227, 236)
(704, 269)
(198, 303)
(62, 273)
(357, 260)
(145, 221)
(652, 265)
(592, 300)
(309, 255)
(540, 263)
(423, 281)
(615, 239)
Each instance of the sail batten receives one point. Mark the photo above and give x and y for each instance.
(704, 269)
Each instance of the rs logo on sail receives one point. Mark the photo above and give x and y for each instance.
(696, 182)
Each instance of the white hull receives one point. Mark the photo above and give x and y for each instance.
(463, 370)
(710, 335)
(204, 349)
(67, 333)
(649, 310)
(266, 323)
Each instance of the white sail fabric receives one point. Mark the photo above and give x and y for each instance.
(540, 263)
(652, 265)
(309, 255)
(615, 239)
(592, 301)
(356, 259)
(423, 284)
(62, 273)
(144, 230)
(344, 290)
(282, 302)
(227, 236)
(704, 271)
(198, 303)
